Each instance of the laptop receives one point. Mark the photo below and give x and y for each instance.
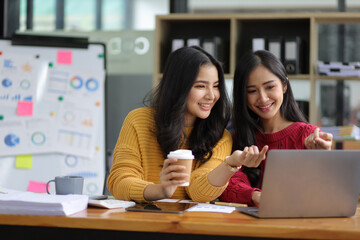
(309, 183)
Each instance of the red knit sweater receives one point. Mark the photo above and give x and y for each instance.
(239, 189)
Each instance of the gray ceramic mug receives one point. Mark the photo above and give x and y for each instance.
(67, 185)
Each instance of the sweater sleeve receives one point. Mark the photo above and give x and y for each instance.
(126, 179)
(200, 189)
(307, 130)
(239, 190)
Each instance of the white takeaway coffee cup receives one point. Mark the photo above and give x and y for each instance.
(185, 158)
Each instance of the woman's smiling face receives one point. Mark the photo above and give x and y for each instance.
(203, 94)
(264, 93)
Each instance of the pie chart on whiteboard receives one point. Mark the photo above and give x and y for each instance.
(11, 140)
(38, 138)
(76, 82)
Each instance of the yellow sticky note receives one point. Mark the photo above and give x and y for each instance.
(23, 161)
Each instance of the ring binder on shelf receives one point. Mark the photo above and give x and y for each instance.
(209, 46)
(193, 42)
(215, 47)
(275, 46)
(292, 55)
(258, 44)
(177, 43)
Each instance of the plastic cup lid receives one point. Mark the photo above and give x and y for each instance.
(181, 154)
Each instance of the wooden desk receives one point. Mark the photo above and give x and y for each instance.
(140, 225)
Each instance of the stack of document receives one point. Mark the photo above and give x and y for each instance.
(350, 132)
(339, 68)
(28, 203)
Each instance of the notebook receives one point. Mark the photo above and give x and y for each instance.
(29, 203)
(309, 183)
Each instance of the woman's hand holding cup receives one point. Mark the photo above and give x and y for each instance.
(176, 171)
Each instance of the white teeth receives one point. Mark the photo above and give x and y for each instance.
(266, 106)
(205, 105)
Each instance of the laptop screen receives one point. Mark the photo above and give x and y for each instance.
(310, 183)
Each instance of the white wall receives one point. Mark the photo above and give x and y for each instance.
(144, 12)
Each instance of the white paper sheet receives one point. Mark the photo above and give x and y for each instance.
(204, 207)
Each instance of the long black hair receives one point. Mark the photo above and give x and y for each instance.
(245, 122)
(169, 101)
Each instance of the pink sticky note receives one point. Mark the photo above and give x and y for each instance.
(64, 57)
(25, 108)
(38, 187)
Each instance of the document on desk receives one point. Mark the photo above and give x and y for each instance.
(168, 200)
(29, 203)
(204, 207)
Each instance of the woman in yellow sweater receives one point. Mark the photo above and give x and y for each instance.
(189, 110)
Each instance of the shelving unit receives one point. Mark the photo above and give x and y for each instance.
(237, 32)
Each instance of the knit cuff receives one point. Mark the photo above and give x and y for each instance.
(203, 191)
(249, 194)
(137, 190)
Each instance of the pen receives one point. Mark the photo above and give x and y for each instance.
(230, 204)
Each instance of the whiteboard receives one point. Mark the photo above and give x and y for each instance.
(52, 115)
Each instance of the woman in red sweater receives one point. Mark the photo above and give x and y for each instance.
(270, 118)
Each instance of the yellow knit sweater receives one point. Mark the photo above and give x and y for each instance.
(138, 159)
